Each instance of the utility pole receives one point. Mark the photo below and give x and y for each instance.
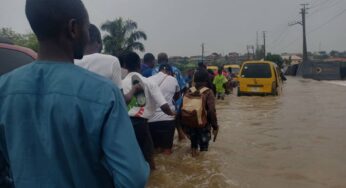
(202, 52)
(305, 51)
(264, 45)
(257, 46)
(303, 24)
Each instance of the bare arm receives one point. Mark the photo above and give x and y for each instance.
(135, 88)
(167, 110)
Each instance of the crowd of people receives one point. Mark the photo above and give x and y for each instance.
(78, 118)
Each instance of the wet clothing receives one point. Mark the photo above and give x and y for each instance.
(197, 135)
(200, 138)
(219, 82)
(141, 127)
(63, 126)
(162, 133)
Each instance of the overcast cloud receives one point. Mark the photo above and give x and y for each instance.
(178, 27)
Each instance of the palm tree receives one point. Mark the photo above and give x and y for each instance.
(122, 36)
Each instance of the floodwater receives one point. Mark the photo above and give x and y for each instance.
(296, 140)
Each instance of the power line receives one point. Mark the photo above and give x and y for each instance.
(328, 21)
(319, 4)
(332, 4)
(317, 28)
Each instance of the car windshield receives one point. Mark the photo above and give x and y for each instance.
(256, 70)
(11, 59)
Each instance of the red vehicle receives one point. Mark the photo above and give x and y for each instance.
(13, 56)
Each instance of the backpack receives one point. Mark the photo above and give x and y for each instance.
(193, 111)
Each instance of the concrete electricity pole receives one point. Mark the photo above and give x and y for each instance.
(305, 51)
(264, 45)
(303, 24)
(202, 52)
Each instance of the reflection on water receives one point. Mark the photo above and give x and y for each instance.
(295, 140)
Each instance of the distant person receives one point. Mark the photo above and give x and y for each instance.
(200, 136)
(210, 84)
(219, 81)
(162, 58)
(143, 105)
(201, 65)
(189, 77)
(148, 65)
(61, 125)
(162, 126)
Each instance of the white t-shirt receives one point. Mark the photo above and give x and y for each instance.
(153, 96)
(102, 64)
(168, 86)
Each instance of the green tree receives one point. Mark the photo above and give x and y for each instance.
(275, 58)
(27, 40)
(122, 36)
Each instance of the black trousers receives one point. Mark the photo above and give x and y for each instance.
(162, 133)
(200, 137)
(141, 127)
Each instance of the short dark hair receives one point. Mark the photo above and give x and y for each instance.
(162, 58)
(201, 75)
(166, 67)
(132, 61)
(48, 18)
(94, 34)
(148, 57)
(201, 65)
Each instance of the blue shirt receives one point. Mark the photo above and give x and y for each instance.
(146, 71)
(63, 126)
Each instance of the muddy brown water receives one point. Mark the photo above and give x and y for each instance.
(296, 140)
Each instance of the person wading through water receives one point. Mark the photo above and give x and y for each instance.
(61, 125)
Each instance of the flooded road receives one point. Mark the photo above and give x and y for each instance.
(297, 140)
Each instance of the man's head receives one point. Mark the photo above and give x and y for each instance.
(201, 76)
(95, 40)
(201, 65)
(219, 71)
(62, 23)
(162, 58)
(132, 62)
(165, 68)
(149, 60)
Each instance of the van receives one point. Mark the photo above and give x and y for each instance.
(235, 68)
(259, 77)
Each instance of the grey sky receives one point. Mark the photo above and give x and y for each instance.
(178, 27)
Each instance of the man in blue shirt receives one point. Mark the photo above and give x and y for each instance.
(61, 125)
(148, 65)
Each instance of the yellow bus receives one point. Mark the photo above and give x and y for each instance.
(259, 77)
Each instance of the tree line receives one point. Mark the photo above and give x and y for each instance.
(121, 36)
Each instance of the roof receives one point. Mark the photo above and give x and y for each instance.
(5, 40)
(261, 61)
(28, 51)
(335, 59)
(293, 57)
